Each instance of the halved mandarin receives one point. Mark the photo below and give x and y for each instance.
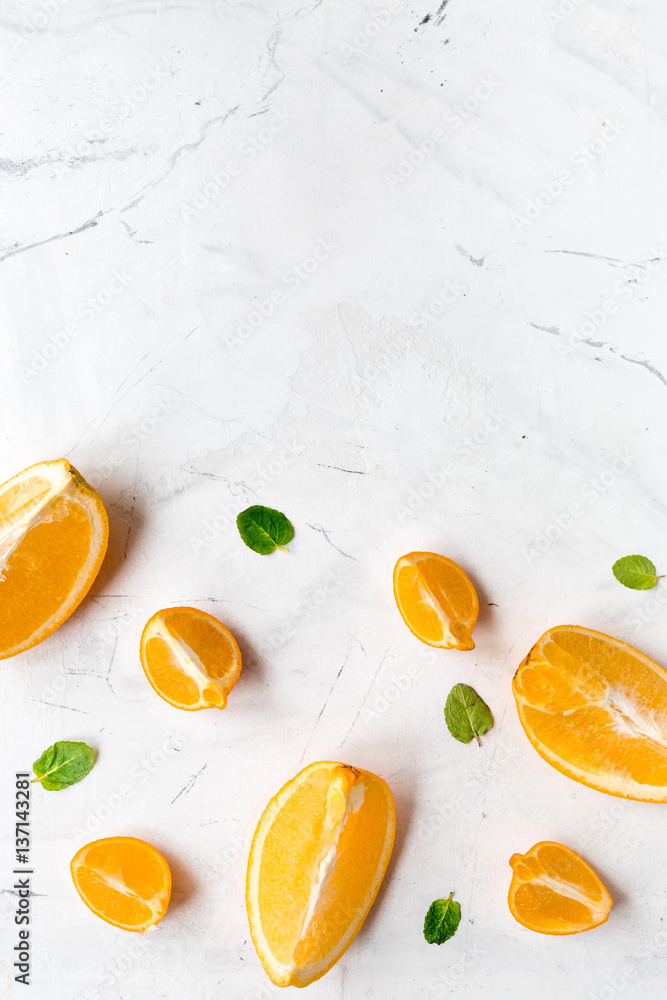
(437, 600)
(554, 891)
(596, 710)
(124, 881)
(190, 658)
(317, 860)
(53, 537)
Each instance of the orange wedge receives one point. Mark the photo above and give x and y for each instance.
(190, 658)
(554, 891)
(53, 536)
(316, 862)
(436, 599)
(124, 881)
(596, 709)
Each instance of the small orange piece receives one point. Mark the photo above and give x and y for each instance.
(190, 658)
(317, 859)
(124, 881)
(596, 709)
(53, 536)
(436, 599)
(554, 891)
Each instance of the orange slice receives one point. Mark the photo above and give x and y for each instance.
(316, 862)
(436, 599)
(190, 658)
(554, 891)
(124, 881)
(53, 536)
(596, 709)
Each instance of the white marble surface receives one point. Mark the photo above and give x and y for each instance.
(455, 229)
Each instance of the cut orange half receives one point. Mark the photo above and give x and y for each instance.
(596, 709)
(190, 658)
(124, 881)
(316, 862)
(53, 536)
(554, 891)
(436, 599)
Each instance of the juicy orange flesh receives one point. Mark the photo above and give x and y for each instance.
(212, 646)
(542, 906)
(43, 570)
(597, 705)
(119, 879)
(167, 674)
(359, 852)
(205, 641)
(294, 850)
(436, 580)
(539, 904)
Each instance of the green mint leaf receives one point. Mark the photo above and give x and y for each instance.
(63, 764)
(264, 530)
(466, 714)
(442, 920)
(636, 572)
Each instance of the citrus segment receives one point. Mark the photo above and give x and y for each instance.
(53, 537)
(190, 658)
(316, 862)
(596, 709)
(554, 891)
(124, 881)
(437, 600)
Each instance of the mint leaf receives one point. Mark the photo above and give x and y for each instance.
(442, 920)
(636, 572)
(63, 764)
(264, 530)
(466, 714)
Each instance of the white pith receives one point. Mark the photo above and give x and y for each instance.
(427, 597)
(284, 974)
(188, 661)
(116, 882)
(62, 483)
(14, 533)
(326, 863)
(563, 889)
(627, 721)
